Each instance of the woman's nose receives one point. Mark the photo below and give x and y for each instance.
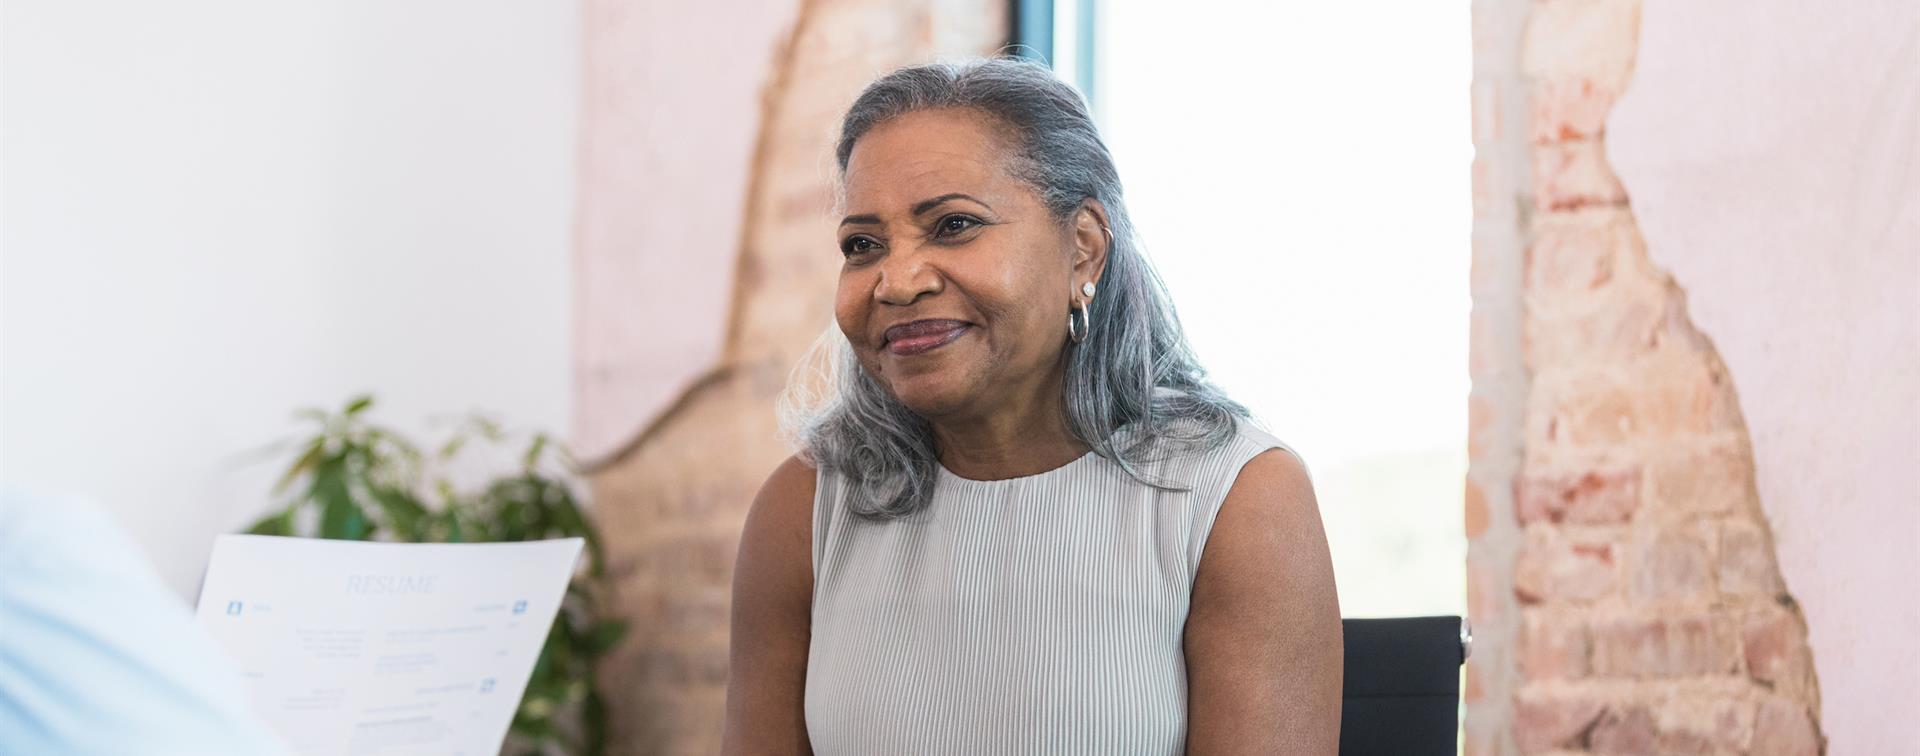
(905, 276)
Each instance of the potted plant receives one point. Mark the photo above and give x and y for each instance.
(355, 480)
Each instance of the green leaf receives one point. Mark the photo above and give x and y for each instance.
(594, 716)
(305, 464)
(453, 445)
(344, 521)
(605, 635)
(404, 514)
(390, 449)
(279, 524)
(357, 404)
(532, 720)
(531, 459)
(311, 413)
(340, 516)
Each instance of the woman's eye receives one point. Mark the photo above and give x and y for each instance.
(857, 245)
(954, 225)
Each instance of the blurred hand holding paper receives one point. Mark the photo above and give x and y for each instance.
(352, 647)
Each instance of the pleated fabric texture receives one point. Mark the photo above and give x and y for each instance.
(1035, 615)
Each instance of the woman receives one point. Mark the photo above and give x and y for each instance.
(1022, 521)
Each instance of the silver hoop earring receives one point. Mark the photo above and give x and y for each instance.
(1077, 327)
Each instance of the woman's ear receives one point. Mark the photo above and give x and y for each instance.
(1092, 241)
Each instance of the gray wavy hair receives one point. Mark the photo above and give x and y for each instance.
(1135, 369)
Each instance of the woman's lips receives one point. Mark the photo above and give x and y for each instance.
(922, 336)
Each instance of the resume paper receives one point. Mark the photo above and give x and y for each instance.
(355, 647)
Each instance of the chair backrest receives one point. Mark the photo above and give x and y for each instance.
(1402, 690)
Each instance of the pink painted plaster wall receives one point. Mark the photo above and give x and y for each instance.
(1771, 149)
(669, 118)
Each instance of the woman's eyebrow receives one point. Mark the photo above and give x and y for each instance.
(919, 208)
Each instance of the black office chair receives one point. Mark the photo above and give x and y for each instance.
(1402, 690)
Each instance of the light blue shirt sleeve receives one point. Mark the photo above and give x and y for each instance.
(97, 656)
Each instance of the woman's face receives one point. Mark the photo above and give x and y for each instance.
(957, 280)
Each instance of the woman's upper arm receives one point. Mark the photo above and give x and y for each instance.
(772, 615)
(1263, 641)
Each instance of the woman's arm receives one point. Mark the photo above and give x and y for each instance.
(1263, 640)
(772, 617)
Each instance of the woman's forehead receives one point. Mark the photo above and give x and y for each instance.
(926, 154)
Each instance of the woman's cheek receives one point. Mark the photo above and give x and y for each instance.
(848, 310)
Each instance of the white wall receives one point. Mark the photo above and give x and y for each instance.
(212, 213)
(650, 215)
(1782, 189)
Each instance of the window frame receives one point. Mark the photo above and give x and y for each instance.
(1036, 34)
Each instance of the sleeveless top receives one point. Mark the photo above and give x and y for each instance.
(1034, 615)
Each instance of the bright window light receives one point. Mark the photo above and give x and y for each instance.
(1299, 173)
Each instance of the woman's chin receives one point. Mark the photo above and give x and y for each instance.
(929, 396)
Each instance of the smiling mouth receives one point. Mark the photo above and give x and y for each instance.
(922, 336)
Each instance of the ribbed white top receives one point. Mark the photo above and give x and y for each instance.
(1039, 615)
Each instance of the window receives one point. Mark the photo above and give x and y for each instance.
(1299, 173)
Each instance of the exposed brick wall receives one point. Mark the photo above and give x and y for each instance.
(1621, 573)
(671, 505)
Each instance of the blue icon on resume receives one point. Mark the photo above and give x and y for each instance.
(520, 607)
(233, 608)
(486, 685)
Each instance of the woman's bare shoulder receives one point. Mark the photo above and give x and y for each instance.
(773, 571)
(1270, 520)
(772, 601)
(788, 488)
(1263, 629)
(779, 527)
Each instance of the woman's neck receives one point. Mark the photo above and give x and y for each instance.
(1009, 444)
